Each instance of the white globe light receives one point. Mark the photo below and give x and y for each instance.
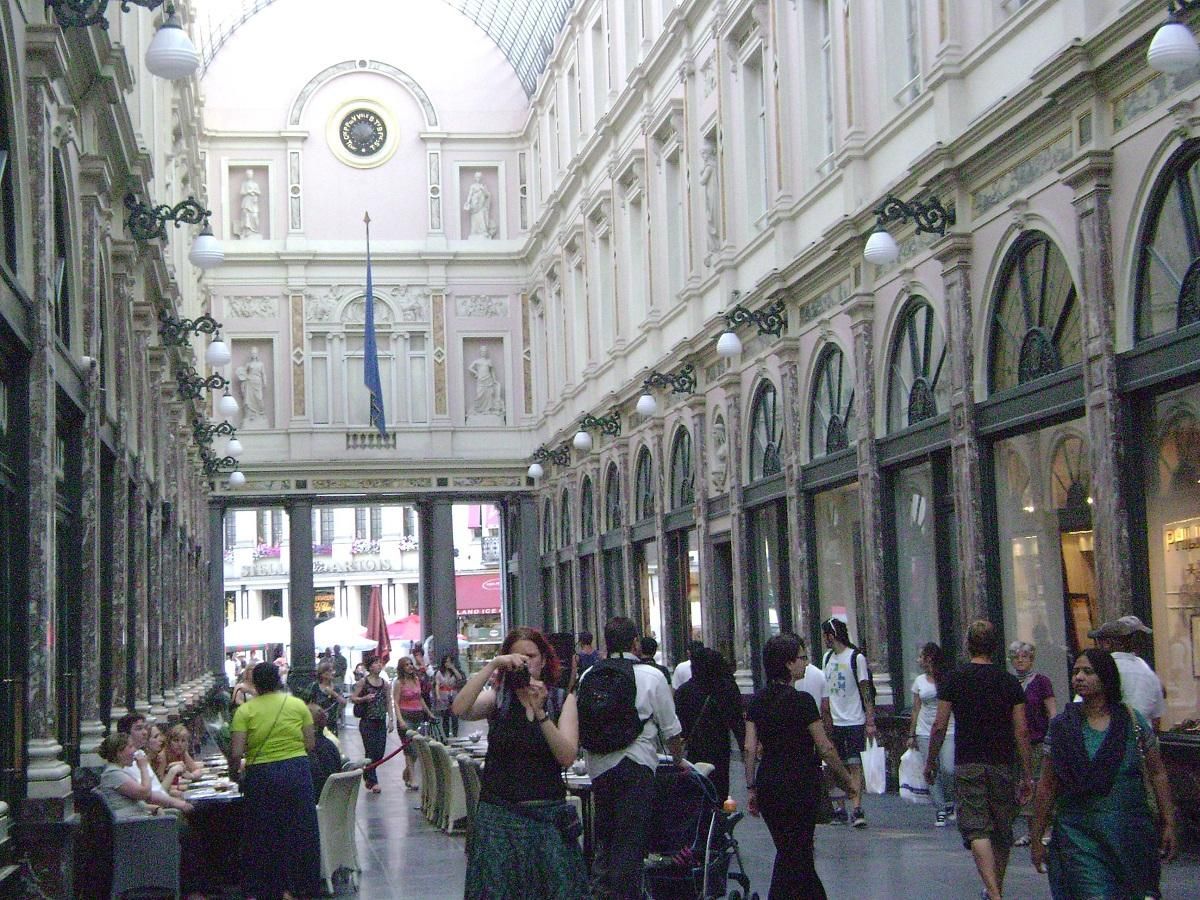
(206, 252)
(171, 54)
(728, 345)
(647, 405)
(227, 406)
(236, 479)
(582, 441)
(234, 448)
(1173, 49)
(881, 248)
(536, 471)
(217, 354)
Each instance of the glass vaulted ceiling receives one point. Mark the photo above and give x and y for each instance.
(524, 30)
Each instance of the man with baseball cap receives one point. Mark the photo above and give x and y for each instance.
(1140, 687)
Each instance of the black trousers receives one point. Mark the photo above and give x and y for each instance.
(621, 819)
(374, 738)
(789, 808)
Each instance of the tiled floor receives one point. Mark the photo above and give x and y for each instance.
(900, 854)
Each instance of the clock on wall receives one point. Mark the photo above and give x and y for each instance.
(363, 132)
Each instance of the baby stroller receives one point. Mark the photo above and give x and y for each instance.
(691, 846)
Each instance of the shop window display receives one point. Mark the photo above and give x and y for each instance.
(1047, 565)
(839, 558)
(916, 565)
(1173, 521)
(769, 573)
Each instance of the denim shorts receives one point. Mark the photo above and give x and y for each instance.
(849, 741)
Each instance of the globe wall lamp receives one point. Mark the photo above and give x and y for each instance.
(147, 222)
(177, 333)
(610, 425)
(227, 406)
(1174, 48)
(171, 54)
(191, 384)
(681, 382)
(770, 320)
(929, 215)
(560, 456)
(236, 478)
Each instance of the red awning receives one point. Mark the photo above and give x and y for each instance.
(477, 594)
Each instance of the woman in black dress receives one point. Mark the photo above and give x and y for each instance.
(709, 707)
(784, 728)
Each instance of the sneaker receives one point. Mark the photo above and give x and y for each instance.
(1022, 841)
(941, 819)
(858, 819)
(951, 813)
(839, 817)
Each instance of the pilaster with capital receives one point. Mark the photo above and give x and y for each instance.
(668, 599)
(1089, 176)
(697, 406)
(954, 253)
(861, 311)
(738, 530)
(118, 528)
(797, 508)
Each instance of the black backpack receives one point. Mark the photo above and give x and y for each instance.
(854, 674)
(607, 702)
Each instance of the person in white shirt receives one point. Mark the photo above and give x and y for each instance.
(848, 709)
(934, 666)
(683, 672)
(813, 680)
(1140, 687)
(623, 779)
(138, 729)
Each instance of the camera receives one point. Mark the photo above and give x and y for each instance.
(517, 678)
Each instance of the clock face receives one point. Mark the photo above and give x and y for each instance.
(363, 132)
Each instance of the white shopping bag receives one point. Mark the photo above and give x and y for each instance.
(874, 763)
(912, 777)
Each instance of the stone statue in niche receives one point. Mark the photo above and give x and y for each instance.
(252, 379)
(248, 220)
(720, 456)
(479, 205)
(711, 183)
(489, 395)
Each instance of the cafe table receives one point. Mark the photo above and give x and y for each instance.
(581, 786)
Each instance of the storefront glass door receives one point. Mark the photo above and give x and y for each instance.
(837, 521)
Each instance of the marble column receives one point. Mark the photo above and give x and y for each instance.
(797, 507)
(439, 610)
(118, 547)
(666, 590)
(954, 253)
(530, 608)
(139, 696)
(744, 662)
(861, 311)
(215, 615)
(154, 607)
(303, 669)
(48, 787)
(1089, 176)
(697, 406)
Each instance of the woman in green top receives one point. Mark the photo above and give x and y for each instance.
(281, 847)
(1105, 841)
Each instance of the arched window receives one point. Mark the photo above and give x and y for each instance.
(547, 526)
(1035, 328)
(643, 486)
(765, 433)
(1168, 275)
(565, 532)
(587, 509)
(1071, 475)
(918, 387)
(612, 498)
(831, 424)
(683, 475)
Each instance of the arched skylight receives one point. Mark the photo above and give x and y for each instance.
(524, 30)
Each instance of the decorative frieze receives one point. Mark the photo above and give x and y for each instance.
(1144, 97)
(252, 307)
(823, 303)
(481, 306)
(1046, 159)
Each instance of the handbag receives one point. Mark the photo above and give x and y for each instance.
(1147, 782)
(683, 753)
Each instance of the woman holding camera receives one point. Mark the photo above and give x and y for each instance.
(525, 839)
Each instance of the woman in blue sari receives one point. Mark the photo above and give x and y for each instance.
(1106, 842)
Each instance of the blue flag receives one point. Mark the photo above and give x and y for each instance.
(370, 351)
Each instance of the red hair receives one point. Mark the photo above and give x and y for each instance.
(550, 663)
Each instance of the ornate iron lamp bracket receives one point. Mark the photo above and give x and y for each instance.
(770, 320)
(610, 425)
(929, 216)
(1176, 8)
(192, 383)
(213, 464)
(82, 13)
(147, 222)
(560, 456)
(177, 332)
(681, 382)
(203, 432)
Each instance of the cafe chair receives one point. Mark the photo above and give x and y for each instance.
(468, 767)
(453, 810)
(430, 793)
(145, 857)
(336, 814)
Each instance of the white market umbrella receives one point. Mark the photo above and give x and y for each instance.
(256, 633)
(343, 632)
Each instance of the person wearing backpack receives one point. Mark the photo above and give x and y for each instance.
(848, 707)
(625, 710)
